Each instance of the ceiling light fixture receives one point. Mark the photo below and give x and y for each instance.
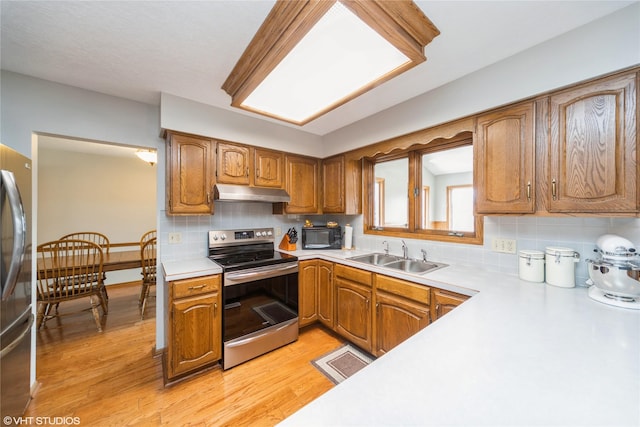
(310, 57)
(149, 156)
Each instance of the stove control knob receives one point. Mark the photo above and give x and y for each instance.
(223, 236)
(258, 233)
(269, 233)
(215, 237)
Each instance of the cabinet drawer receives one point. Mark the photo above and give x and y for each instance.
(403, 288)
(195, 286)
(353, 274)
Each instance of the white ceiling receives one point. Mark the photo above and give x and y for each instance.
(138, 49)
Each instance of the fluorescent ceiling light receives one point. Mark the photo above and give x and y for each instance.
(311, 57)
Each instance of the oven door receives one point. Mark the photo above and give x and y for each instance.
(260, 311)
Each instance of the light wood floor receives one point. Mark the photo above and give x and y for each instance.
(111, 378)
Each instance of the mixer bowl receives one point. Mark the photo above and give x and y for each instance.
(617, 279)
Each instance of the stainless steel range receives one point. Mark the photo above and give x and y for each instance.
(260, 293)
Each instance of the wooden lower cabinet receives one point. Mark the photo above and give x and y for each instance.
(195, 327)
(307, 292)
(315, 278)
(353, 295)
(445, 301)
(325, 293)
(402, 309)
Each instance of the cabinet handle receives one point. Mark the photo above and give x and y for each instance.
(195, 288)
(257, 172)
(208, 198)
(215, 308)
(529, 190)
(247, 170)
(553, 188)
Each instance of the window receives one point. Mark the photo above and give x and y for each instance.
(424, 192)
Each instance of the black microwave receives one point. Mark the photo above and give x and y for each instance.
(322, 238)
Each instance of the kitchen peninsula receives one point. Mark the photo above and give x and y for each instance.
(515, 353)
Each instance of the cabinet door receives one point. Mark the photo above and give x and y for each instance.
(302, 184)
(189, 174)
(505, 160)
(333, 187)
(593, 147)
(353, 305)
(269, 165)
(195, 335)
(396, 320)
(444, 302)
(232, 164)
(325, 293)
(308, 292)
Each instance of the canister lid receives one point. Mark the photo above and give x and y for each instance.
(557, 250)
(525, 253)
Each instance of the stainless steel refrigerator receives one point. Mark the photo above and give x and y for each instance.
(16, 318)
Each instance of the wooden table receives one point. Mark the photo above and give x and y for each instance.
(113, 261)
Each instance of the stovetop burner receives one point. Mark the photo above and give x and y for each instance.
(242, 249)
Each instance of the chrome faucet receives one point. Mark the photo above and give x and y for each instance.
(386, 248)
(424, 255)
(405, 250)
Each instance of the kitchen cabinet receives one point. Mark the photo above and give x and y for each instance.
(308, 292)
(325, 294)
(189, 174)
(333, 200)
(302, 183)
(195, 326)
(315, 278)
(504, 157)
(353, 295)
(232, 163)
(593, 147)
(341, 185)
(268, 168)
(445, 301)
(402, 309)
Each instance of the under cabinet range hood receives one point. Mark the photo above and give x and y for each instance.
(241, 193)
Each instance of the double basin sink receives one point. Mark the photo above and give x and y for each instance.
(398, 263)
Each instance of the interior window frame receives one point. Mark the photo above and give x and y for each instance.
(414, 229)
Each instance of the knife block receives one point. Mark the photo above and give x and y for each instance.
(286, 245)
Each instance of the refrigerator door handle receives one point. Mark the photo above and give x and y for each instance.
(19, 231)
(5, 351)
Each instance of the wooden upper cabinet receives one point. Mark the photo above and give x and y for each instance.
(593, 147)
(504, 154)
(301, 182)
(190, 174)
(268, 168)
(333, 188)
(233, 163)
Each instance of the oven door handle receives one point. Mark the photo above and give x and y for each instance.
(257, 337)
(235, 278)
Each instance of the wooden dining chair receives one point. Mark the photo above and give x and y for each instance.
(148, 258)
(151, 234)
(97, 238)
(69, 269)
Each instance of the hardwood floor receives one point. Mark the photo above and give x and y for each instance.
(111, 378)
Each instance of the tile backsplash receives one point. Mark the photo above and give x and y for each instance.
(529, 232)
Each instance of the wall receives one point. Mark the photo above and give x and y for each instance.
(113, 195)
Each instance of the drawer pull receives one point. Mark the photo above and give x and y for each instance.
(195, 288)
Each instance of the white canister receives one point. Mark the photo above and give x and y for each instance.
(561, 266)
(531, 265)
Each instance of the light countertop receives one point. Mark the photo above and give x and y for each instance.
(516, 353)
